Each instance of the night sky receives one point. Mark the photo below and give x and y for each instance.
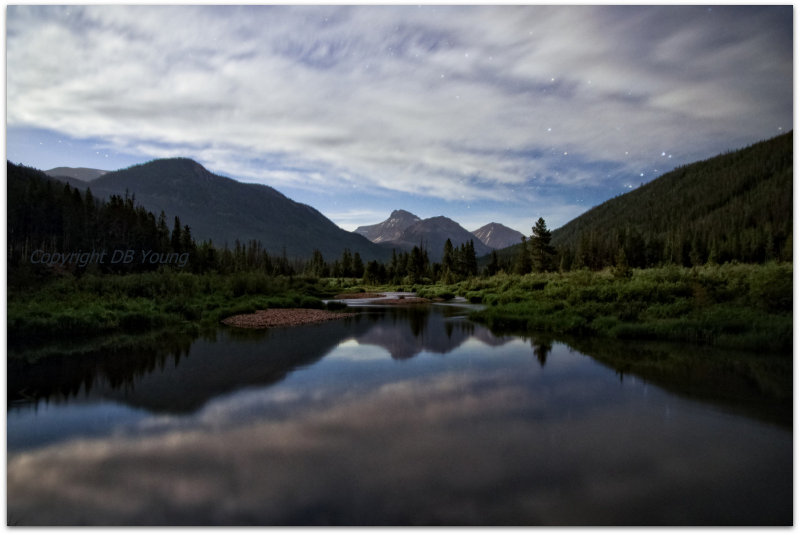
(477, 113)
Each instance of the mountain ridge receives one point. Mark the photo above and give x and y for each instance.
(497, 235)
(397, 231)
(389, 230)
(224, 210)
(84, 174)
(432, 233)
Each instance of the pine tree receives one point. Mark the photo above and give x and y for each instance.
(522, 265)
(470, 260)
(176, 236)
(347, 263)
(494, 264)
(542, 253)
(187, 242)
(358, 265)
(448, 257)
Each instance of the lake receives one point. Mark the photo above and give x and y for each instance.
(396, 416)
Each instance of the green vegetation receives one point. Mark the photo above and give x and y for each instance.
(659, 263)
(733, 305)
(71, 307)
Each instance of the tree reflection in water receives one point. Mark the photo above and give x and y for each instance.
(296, 426)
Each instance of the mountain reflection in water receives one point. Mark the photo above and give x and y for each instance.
(257, 428)
(181, 377)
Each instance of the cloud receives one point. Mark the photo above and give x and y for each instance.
(449, 102)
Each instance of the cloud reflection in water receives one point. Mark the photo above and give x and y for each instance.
(499, 442)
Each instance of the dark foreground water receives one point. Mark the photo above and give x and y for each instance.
(396, 416)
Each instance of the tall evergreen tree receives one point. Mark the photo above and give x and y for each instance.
(494, 264)
(347, 263)
(522, 264)
(176, 235)
(470, 260)
(542, 253)
(448, 257)
(358, 265)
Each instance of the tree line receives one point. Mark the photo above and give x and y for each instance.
(50, 220)
(734, 207)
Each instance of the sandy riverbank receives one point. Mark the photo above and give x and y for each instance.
(283, 317)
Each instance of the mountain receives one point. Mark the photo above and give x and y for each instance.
(404, 230)
(224, 210)
(389, 230)
(433, 232)
(735, 206)
(497, 236)
(81, 173)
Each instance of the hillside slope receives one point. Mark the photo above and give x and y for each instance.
(224, 210)
(734, 206)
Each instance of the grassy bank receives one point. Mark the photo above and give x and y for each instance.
(732, 305)
(94, 305)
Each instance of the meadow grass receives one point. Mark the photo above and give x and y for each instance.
(733, 305)
(137, 303)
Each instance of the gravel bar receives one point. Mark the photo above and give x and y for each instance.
(283, 317)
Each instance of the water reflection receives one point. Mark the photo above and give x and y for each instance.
(393, 417)
(498, 444)
(542, 346)
(50, 374)
(178, 374)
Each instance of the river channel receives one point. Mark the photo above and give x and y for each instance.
(395, 416)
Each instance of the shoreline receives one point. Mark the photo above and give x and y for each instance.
(402, 301)
(362, 295)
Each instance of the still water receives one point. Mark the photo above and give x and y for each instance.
(396, 416)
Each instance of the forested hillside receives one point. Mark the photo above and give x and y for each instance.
(53, 227)
(736, 206)
(223, 210)
(57, 229)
